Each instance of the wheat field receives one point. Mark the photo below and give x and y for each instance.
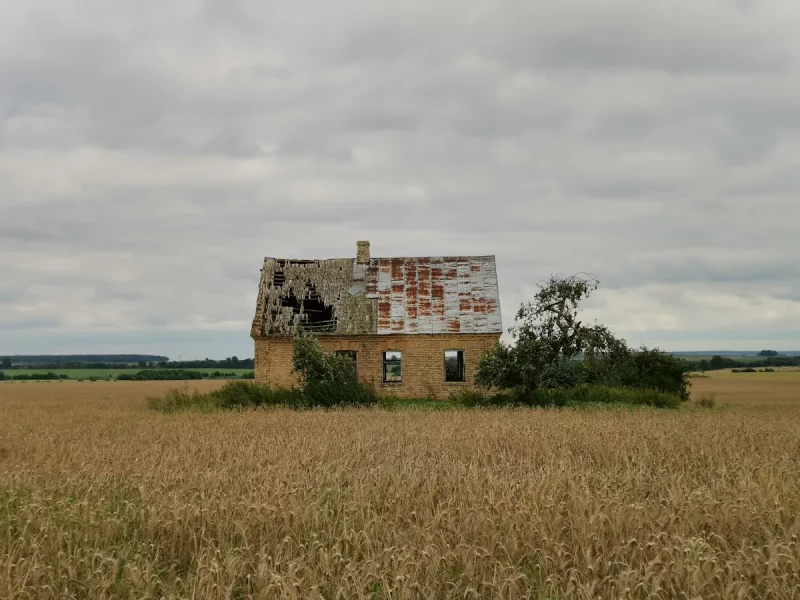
(102, 498)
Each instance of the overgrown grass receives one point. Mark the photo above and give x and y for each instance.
(577, 396)
(245, 394)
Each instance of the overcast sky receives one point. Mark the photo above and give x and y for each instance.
(152, 153)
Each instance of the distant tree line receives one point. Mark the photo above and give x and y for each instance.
(179, 375)
(233, 362)
(31, 376)
(143, 375)
(83, 359)
(717, 363)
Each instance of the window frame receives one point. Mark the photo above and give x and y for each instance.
(354, 354)
(385, 362)
(461, 357)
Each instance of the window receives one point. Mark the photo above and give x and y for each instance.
(392, 366)
(353, 356)
(454, 365)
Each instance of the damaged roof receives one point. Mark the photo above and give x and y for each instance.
(422, 295)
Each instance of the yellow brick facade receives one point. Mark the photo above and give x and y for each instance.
(423, 360)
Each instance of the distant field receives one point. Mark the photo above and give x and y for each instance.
(101, 497)
(112, 373)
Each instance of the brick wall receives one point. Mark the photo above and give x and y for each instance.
(423, 360)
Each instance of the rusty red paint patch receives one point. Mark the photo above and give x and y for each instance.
(479, 305)
(465, 305)
(453, 325)
(397, 269)
(411, 274)
(384, 309)
(425, 306)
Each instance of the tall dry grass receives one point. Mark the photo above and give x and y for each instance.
(101, 498)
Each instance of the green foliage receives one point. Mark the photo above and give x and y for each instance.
(329, 379)
(717, 362)
(49, 376)
(245, 394)
(707, 401)
(5, 363)
(768, 353)
(339, 392)
(183, 399)
(653, 369)
(314, 364)
(499, 369)
(453, 370)
(745, 370)
(2, 376)
(723, 362)
(554, 350)
(575, 396)
(161, 375)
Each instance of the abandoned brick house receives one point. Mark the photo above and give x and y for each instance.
(413, 326)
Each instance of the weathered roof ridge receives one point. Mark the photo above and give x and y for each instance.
(439, 256)
(391, 295)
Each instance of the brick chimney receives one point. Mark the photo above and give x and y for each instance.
(362, 253)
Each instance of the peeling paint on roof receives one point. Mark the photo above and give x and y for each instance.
(425, 295)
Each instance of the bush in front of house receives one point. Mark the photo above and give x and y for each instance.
(584, 394)
(241, 394)
(327, 382)
(328, 378)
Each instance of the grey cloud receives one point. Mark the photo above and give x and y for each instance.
(151, 158)
(27, 324)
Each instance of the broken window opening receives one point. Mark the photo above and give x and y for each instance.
(353, 365)
(392, 366)
(454, 370)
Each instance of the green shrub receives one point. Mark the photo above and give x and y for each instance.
(706, 402)
(558, 397)
(244, 394)
(473, 399)
(745, 370)
(181, 399)
(340, 392)
(161, 375)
